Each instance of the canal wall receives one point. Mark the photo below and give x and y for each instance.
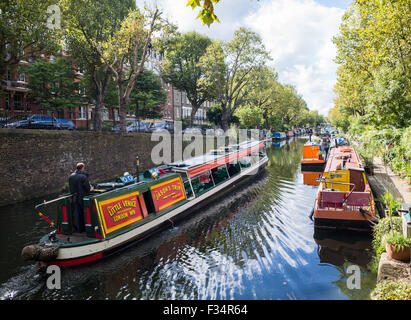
(35, 163)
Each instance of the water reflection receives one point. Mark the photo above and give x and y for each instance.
(257, 243)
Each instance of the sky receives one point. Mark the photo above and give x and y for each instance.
(297, 33)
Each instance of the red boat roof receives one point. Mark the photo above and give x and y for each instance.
(339, 156)
(206, 162)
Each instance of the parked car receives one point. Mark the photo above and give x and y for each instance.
(43, 121)
(192, 130)
(20, 122)
(116, 128)
(138, 126)
(67, 124)
(159, 126)
(214, 132)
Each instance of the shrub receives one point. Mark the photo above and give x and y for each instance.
(392, 290)
(397, 240)
(383, 228)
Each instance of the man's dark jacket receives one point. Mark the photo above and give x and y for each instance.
(79, 185)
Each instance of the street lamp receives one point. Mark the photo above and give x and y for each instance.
(137, 169)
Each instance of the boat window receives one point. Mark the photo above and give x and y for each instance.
(233, 168)
(149, 202)
(187, 188)
(255, 157)
(245, 162)
(202, 183)
(220, 174)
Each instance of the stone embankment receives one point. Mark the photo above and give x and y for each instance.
(35, 163)
(384, 180)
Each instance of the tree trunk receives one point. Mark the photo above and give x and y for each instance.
(194, 110)
(101, 91)
(122, 110)
(98, 114)
(225, 119)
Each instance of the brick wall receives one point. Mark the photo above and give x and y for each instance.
(35, 163)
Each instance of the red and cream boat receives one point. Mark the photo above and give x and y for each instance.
(344, 199)
(119, 213)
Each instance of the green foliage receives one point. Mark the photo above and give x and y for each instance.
(182, 69)
(391, 204)
(214, 115)
(372, 142)
(24, 32)
(53, 84)
(392, 290)
(148, 91)
(230, 69)
(250, 116)
(374, 76)
(397, 240)
(382, 229)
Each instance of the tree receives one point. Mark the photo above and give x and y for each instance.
(127, 51)
(54, 84)
(25, 32)
(87, 23)
(374, 52)
(182, 69)
(214, 115)
(264, 93)
(250, 116)
(229, 69)
(149, 94)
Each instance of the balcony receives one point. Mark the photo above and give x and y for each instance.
(18, 86)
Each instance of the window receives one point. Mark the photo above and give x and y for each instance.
(83, 113)
(18, 102)
(7, 102)
(202, 183)
(22, 77)
(220, 174)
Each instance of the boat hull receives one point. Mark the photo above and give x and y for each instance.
(82, 254)
(313, 166)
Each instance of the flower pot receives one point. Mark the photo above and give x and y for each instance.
(402, 255)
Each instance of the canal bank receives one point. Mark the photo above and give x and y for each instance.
(394, 277)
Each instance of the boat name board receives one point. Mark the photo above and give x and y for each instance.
(167, 193)
(119, 212)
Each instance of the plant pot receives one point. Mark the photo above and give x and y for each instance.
(402, 255)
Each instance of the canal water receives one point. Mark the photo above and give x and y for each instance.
(259, 243)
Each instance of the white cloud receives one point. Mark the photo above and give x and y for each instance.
(298, 34)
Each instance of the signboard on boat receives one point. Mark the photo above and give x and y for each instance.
(120, 211)
(167, 193)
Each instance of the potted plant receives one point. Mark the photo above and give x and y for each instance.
(397, 246)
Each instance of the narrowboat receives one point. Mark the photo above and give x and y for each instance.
(120, 213)
(279, 136)
(313, 157)
(290, 133)
(344, 199)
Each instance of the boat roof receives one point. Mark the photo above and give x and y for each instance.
(215, 158)
(341, 154)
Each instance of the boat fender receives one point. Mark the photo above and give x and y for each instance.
(39, 252)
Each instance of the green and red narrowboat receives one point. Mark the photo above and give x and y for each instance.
(119, 213)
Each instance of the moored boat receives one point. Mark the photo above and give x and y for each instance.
(344, 199)
(313, 157)
(119, 213)
(279, 136)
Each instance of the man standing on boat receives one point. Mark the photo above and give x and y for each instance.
(79, 186)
